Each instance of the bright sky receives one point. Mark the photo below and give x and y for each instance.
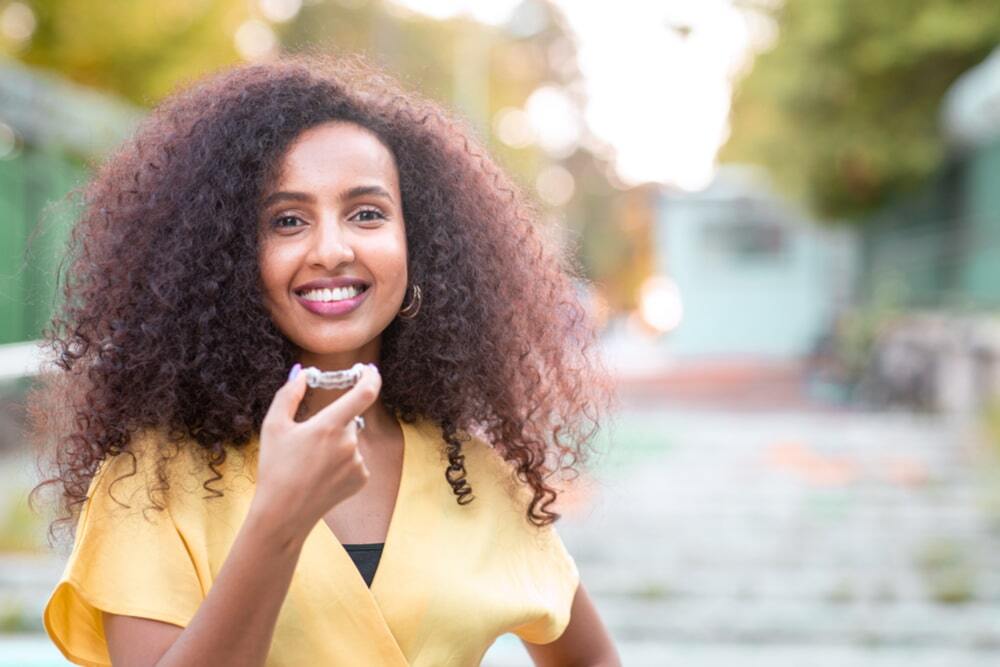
(658, 95)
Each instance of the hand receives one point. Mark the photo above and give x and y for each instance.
(306, 468)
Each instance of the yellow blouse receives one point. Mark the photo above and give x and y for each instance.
(451, 578)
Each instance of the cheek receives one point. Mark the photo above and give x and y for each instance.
(388, 259)
(398, 268)
(274, 269)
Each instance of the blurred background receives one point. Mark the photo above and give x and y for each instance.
(788, 214)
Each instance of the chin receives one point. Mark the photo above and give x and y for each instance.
(319, 349)
(332, 344)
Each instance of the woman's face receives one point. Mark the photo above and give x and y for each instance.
(333, 245)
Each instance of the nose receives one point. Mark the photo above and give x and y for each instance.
(330, 245)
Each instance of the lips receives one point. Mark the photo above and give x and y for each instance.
(331, 308)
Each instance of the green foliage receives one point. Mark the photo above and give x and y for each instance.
(20, 528)
(992, 426)
(948, 572)
(144, 50)
(861, 327)
(16, 619)
(140, 50)
(844, 110)
(842, 593)
(991, 468)
(654, 591)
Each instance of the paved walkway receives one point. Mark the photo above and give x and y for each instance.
(790, 539)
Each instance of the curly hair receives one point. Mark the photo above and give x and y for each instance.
(163, 323)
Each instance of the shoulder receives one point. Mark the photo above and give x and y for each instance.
(154, 471)
(482, 461)
(485, 462)
(493, 479)
(127, 558)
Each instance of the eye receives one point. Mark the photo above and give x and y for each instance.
(277, 224)
(379, 215)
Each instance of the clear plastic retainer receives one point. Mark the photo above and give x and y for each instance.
(332, 379)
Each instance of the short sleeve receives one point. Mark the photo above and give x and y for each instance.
(551, 579)
(125, 560)
(539, 577)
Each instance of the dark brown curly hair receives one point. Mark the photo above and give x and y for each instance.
(163, 323)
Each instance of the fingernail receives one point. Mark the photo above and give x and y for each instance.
(295, 371)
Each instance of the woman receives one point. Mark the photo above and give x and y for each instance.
(311, 213)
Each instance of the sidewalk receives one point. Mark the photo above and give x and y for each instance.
(785, 539)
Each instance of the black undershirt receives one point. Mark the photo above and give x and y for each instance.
(366, 557)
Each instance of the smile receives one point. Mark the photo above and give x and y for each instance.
(336, 301)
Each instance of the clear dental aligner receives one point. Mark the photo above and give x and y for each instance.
(333, 379)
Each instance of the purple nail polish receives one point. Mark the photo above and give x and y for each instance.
(295, 371)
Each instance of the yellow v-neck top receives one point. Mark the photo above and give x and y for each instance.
(451, 578)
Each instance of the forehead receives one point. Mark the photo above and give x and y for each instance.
(337, 152)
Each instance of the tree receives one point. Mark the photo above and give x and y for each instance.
(140, 50)
(844, 109)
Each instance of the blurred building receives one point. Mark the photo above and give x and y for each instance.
(933, 256)
(971, 122)
(757, 278)
(939, 247)
(50, 130)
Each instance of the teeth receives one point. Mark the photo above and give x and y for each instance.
(335, 294)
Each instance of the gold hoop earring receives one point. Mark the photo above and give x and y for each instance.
(410, 310)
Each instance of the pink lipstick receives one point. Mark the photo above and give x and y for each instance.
(332, 308)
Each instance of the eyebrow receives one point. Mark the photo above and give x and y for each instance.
(351, 193)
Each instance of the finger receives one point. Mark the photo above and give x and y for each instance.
(359, 460)
(287, 399)
(353, 402)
